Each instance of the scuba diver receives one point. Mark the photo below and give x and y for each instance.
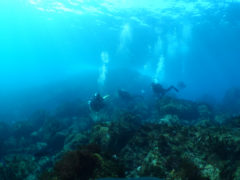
(159, 90)
(181, 85)
(96, 103)
(126, 96)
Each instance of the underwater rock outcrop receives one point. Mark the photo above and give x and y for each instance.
(185, 112)
(17, 167)
(231, 101)
(143, 178)
(233, 121)
(113, 136)
(86, 163)
(167, 138)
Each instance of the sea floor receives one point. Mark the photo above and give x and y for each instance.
(165, 138)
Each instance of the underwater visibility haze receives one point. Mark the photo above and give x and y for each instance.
(150, 61)
(106, 45)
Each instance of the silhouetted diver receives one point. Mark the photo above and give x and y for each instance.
(126, 96)
(160, 91)
(96, 103)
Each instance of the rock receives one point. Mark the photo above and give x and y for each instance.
(184, 110)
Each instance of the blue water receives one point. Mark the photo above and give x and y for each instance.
(50, 49)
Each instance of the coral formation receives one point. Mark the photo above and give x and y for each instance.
(85, 163)
(166, 138)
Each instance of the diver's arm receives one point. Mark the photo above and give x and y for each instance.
(172, 87)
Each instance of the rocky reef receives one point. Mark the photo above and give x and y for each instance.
(165, 138)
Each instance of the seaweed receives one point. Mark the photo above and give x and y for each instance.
(83, 164)
(189, 171)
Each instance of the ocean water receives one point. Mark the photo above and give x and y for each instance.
(83, 46)
(56, 54)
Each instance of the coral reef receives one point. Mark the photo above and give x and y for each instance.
(166, 138)
(231, 101)
(85, 163)
(17, 167)
(185, 110)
